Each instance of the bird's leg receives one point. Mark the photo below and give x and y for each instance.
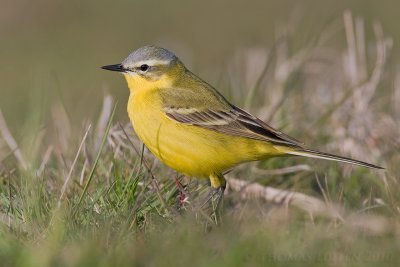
(182, 194)
(216, 195)
(217, 204)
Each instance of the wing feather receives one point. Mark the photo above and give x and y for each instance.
(234, 122)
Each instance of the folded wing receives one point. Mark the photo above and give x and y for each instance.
(233, 121)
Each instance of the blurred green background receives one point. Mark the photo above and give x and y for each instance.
(52, 49)
(50, 56)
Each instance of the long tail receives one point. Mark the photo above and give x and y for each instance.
(320, 155)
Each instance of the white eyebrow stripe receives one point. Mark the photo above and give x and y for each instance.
(152, 62)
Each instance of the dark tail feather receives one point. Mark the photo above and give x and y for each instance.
(320, 155)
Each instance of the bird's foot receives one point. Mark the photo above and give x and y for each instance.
(215, 200)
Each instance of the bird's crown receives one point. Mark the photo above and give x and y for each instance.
(149, 55)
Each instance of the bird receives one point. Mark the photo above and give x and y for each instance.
(191, 127)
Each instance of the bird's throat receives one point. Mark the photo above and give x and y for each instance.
(140, 84)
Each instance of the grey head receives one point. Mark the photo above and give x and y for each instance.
(145, 61)
(150, 55)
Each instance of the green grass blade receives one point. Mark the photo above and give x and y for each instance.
(92, 171)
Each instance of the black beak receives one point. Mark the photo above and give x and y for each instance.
(115, 67)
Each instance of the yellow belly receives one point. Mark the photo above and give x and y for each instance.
(189, 149)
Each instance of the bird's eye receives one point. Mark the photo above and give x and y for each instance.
(144, 67)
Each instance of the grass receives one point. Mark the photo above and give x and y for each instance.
(91, 195)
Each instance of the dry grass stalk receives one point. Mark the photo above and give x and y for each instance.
(277, 196)
(10, 141)
(64, 187)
